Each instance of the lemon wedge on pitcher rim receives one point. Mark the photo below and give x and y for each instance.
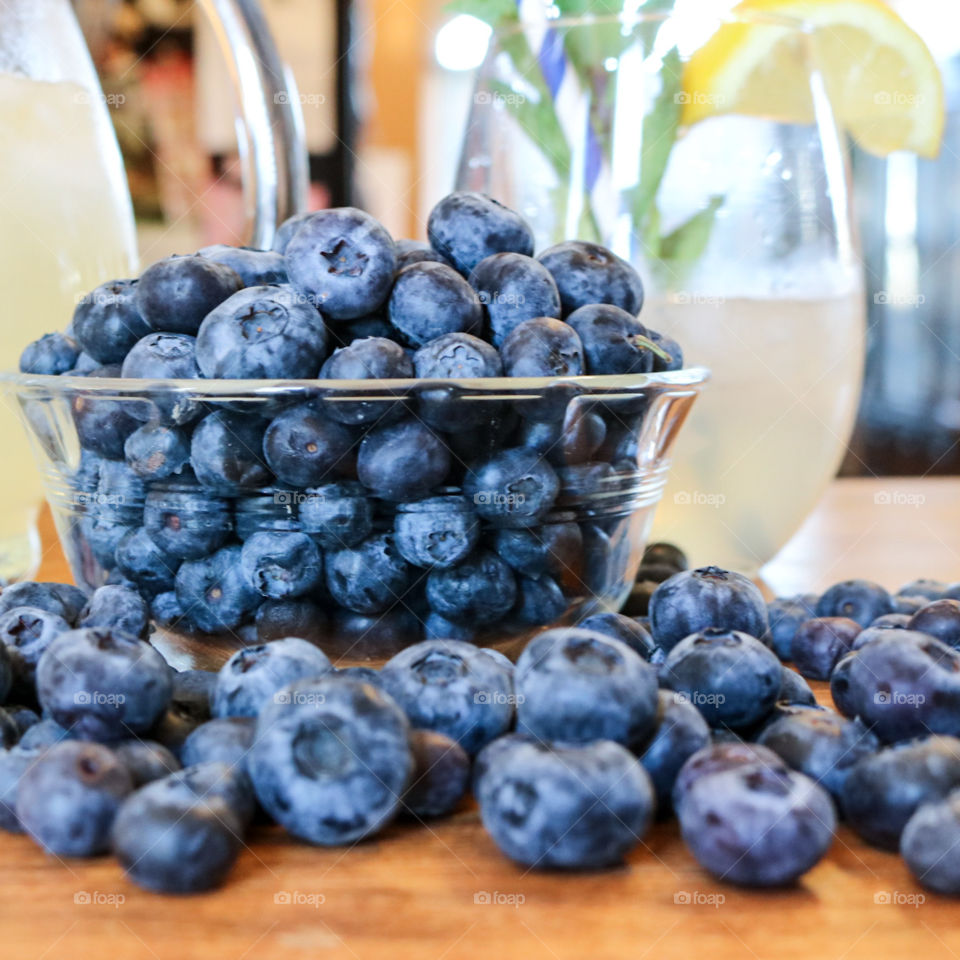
(883, 83)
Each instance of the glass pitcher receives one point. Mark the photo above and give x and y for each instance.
(66, 220)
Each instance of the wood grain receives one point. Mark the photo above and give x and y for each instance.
(413, 891)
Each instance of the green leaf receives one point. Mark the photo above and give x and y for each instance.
(688, 241)
(494, 12)
(539, 121)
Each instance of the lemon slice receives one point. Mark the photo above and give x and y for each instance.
(880, 77)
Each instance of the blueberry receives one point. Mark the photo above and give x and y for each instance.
(282, 565)
(884, 790)
(402, 461)
(575, 438)
(186, 522)
(358, 636)
(175, 294)
(437, 627)
(819, 643)
(785, 615)
(819, 743)
(665, 554)
(286, 230)
(116, 608)
(145, 563)
(375, 325)
(614, 341)
(337, 514)
(674, 353)
(539, 602)
(170, 840)
(13, 765)
(68, 797)
(542, 348)
(576, 686)
(467, 227)
(716, 758)
(253, 267)
(890, 621)
(343, 261)
(575, 807)
(624, 629)
(226, 453)
(43, 734)
(269, 509)
(193, 690)
(930, 834)
(370, 577)
(51, 355)
(940, 619)
(25, 632)
(103, 685)
(221, 740)
(452, 688)
(757, 825)
(436, 532)
(903, 685)
(373, 358)
(262, 333)
(707, 597)
(513, 488)
(554, 549)
(587, 273)
(429, 300)
(910, 605)
(931, 589)
(103, 422)
(415, 251)
(107, 321)
(479, 590)
(858, 600)
(794, 690)
(366, 675)
(441, 775)
(9, 729)
(214, 592)
(304, 448)
(730, 677)
(680, 732)
(146, 761)
(331, 760)
(249, 679)
(163, 356)
(166, 610)
(156, 451)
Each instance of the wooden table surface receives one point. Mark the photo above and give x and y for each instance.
(445, 893)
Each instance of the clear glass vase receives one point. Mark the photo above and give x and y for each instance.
(740, 226)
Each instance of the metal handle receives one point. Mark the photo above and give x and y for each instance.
(270, 132)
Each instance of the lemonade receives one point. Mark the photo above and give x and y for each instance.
(67, 225)
(770, 430)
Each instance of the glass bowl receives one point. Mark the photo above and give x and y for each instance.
(447, 536)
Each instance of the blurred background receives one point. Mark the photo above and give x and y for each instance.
(386, 88)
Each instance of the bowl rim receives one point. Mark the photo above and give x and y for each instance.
(688, 377)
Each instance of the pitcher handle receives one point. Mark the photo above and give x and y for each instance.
(270, 132)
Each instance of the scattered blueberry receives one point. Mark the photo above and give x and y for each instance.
(785, 615)
(221, 740)
(146, 761)
(441, 775)
(859, 600)
(940, 619)
(929, 834)
(626, 630)
(819, 643)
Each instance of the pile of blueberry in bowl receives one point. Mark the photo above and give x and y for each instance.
(359, 441)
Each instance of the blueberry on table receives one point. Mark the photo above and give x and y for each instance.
(286, 230)
(186, 522)
(107, 321)
(794, 689)
(175, 294)
(436, 532)
(576, 686)
(614, 341)
(729, 676)
(587, 273)
(145, 563)
(51, 355)
(859, 600)
(903, 685)
(513, 288)
(441, 775)
(226, 453)
(214, 592)
(221, 740)
(757, 825)
(927, 840)
(373, 358)
(281, 565)
(25, 632)
(429, 300)
(513, 488)
(331, 760)
(192, 690)
(452, 688)
(304, 448)
(416, 251)
(706, 597)
(542, 347)
(940, 619)
(924, 587)
(819, 644)
(146, 761)
(112, 607)
(402, 461)
(264, 332)
(573, 807)
(370, 577)
(665, 554)
(342, 261)
(480, 590)
(467, 227)
(156, 451)
(821, 744)
(337, 514)
(253, 267)
(13, 764)
(626, 630)
(785, 615)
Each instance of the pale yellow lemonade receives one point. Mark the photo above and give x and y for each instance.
(66, 225)
(770, 430)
